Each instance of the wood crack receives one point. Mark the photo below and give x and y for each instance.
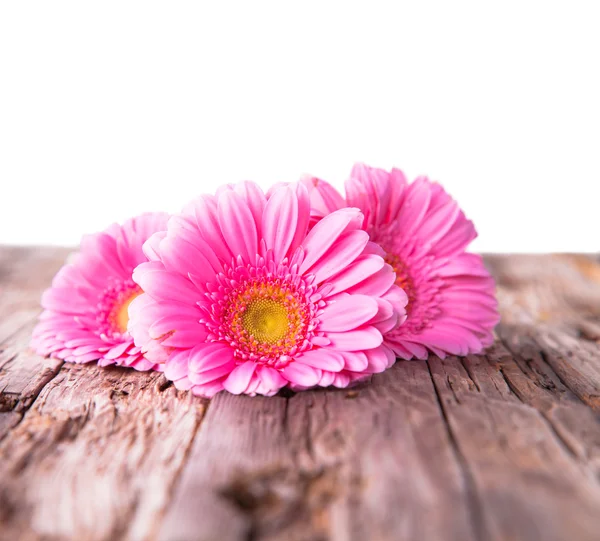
(475, 505)
(21, 403)
(504, 445)
(563, 442)
(468, 370)
(546, 358)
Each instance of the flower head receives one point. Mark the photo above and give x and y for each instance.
(451, 304)
(238, 296)
(86, 309)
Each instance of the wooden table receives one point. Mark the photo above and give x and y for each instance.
(504, 445)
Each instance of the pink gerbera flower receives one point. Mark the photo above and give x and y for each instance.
(86, 309)
(451, 303)
(238, 296)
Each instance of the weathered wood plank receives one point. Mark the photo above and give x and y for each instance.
(375, 462)
(239, 445)
(529, 485)
(533, 382)
(555, 300)
(401, 476)
(24, 274)
(504, 445)
(96, 456)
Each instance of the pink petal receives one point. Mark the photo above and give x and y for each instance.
(301, 374)
(88, 357)
(186, 337)
(324, 198)
(204, 211)
(117, 351)
(348, 312)
(185, 258)
(341, 254)
(327, 379)
(326, 233)
(377, 284)
(322, 358)
(151, 246)
(356, 361)
(177, 322)
(238, 226)
(411, 216)
(303, 216)
(271, 377)
(200, 378)
(397, 347)
(141, 364)
(239, 378)
(341, 380)
(101, 249)
(280, 221)
(183, 384)
(208, 390)
(65, 300)
(177, 365)
(359, 270)
(379, 359)
(417, 350)
(256, 201)
(165, 285)
(370, 183)
(208, 356)
(374, 249)
(356, 340)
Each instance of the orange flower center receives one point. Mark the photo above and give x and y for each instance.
(266, 318)
(403, 280)
(122, 314)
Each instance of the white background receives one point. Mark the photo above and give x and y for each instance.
(108, 109)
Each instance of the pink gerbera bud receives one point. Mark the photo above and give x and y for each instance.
(451, 304)
(238, 296)
(86, 309)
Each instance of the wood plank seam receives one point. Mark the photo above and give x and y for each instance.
(548, 360)
(475, 511)
(469, 373)
(564, 443)
(382, 461)
(20, 405)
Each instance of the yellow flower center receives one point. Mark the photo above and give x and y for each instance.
(122, 314)
(266, 320)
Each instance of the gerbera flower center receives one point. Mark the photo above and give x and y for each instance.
(415, 277)
(121, 317)
(267, 313)
(266, 320)
(113, 308)
(403, 279)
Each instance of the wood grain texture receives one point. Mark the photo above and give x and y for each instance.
(24, 274)
(504, 445)
(95, 456)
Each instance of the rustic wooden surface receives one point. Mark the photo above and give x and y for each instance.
(504, 445)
